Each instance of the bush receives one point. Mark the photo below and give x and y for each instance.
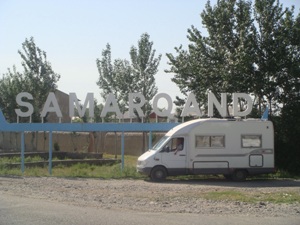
(287, 141)
(56, 147)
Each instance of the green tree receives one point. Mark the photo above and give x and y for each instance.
(287, 142)
(114, 77)
(250, 49)
(11, 84)
(144, 67)
(220, 62)
(38, 79)
(277, 53)
(122, 77)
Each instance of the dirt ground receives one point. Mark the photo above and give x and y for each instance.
(169, 196)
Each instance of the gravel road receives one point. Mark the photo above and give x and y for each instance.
(145, 196)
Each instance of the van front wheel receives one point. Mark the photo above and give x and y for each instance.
(158, 174)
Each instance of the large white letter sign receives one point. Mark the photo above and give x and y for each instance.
(111, 105)
(236, 97)
(81, 111)
(222, 108)
(136, 106)
(166, 112)
(25, 104)
(191, 106)
(51, 100)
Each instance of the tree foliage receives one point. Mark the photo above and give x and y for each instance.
(114, 77)
(249, 48)
(11, 84)
(38, 78)
(144, 67)
(122, 77)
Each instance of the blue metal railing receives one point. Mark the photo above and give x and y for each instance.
(81, 127)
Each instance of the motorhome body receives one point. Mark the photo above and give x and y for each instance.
(234, 148)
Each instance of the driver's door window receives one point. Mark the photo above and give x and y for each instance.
(175, 144)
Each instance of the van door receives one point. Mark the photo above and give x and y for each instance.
(174, 156)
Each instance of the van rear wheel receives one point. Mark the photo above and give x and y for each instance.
(239, 175)
(227, 176)
(158, 174)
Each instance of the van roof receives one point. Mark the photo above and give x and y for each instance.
(186, 127)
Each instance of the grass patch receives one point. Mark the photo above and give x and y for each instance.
(17, 159)
(286, 197)
(279, 174)
(228, 195)
(77, 170)
(14, 159)
(93, 171)
(106, 171)
(275, 197)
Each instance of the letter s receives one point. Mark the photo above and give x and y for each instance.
(24, 104)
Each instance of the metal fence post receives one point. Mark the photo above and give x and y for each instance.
(50, 153)
(122, 150)
(150, 140)
(22, 152)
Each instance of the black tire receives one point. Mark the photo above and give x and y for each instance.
(158, 174)
(227, 176)
(239, 175)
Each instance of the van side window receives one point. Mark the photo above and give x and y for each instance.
(251, 141)
(210, 141)
(217, 141)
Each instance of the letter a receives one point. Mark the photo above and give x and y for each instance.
(191, 106)
(51, 99)
(111, 105)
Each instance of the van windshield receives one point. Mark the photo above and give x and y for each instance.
(160, 143)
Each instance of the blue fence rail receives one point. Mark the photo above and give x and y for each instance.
(80, 127)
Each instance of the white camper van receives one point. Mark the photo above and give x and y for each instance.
(234, 148)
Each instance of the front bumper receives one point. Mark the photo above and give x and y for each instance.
(143, 170)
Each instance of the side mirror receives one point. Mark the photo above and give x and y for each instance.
(166, 149)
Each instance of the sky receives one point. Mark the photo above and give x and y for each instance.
(73, 33)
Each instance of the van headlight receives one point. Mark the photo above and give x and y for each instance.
(142, 163)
